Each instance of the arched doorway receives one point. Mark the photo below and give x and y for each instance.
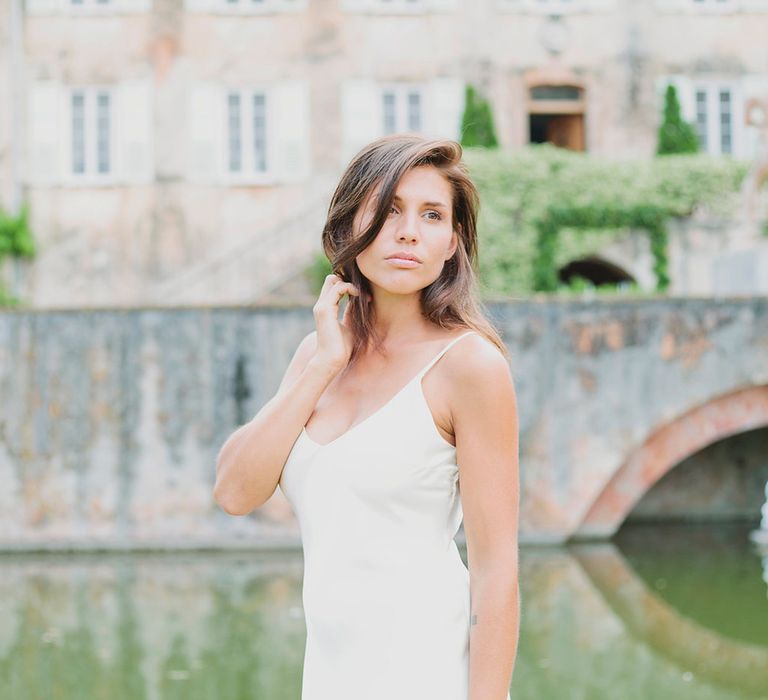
(596, 270)
(556, 115)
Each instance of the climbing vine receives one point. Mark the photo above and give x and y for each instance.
(15, 241)
(649, 217)
(542, 207)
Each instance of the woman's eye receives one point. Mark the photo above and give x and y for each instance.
(437, 214)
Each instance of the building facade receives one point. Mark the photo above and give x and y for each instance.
(184, 151)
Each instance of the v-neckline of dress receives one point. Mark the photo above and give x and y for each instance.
(413, 379)
(357, 425)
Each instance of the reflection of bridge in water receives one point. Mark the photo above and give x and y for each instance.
(726, 662)
(589, 623)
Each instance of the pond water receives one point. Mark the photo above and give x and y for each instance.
(659, 612)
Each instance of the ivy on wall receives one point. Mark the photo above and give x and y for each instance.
(591, 201)
(648, 217)
(15, 241)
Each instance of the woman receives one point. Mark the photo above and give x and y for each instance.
(380, 479)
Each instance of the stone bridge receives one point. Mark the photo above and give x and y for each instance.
(112, 419)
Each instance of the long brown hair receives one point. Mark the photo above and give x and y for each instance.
(451, 301)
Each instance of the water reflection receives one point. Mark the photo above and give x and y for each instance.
(659, 613)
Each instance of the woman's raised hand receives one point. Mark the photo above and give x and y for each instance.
(334, 344)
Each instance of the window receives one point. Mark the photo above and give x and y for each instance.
(701, 119)
(726, 122)
(91, 132)
(715, 108)
(246, 132)
(401, 109)
(556, 92)
(714, 118)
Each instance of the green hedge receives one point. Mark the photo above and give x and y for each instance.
(543, 207)
(16, 241)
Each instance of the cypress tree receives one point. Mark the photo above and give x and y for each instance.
(477, 127)
(675, 134)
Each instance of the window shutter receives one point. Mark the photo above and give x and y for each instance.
(131, 7)
(133, 123)
(202, 5)
(443, 5)
(446, 103)
(205, 132)
(354, 5)
(46, 130)
(361, 115)
(43, 7)
(673, 5)
(288, 130)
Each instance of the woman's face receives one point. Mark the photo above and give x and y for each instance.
(419, 223)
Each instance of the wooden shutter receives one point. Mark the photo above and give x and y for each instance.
(361, 115)
(202, 5)
(354, 5)
(445, 102)
(45, 132)
(43, 7)
(443, 5)
(288, 131)
(133, 121)
(206, 125)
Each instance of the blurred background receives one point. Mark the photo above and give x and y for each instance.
(165, 171)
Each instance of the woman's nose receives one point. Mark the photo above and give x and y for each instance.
(408, 227)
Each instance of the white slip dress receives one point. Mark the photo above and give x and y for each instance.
(385, 592)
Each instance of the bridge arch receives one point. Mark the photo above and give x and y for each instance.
(723, 416)
(596, 269)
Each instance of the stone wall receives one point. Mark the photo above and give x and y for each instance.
(112, 419)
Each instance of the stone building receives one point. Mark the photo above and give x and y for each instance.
(183, 151)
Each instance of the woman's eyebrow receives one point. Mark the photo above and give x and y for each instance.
(429, 204)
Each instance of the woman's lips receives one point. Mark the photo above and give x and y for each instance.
(402, 262)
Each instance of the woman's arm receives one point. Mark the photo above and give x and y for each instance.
(250, 462)
(485, 424)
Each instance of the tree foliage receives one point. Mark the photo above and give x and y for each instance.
(15, 241)
(590, 201)
(675, 134)
(477, 127)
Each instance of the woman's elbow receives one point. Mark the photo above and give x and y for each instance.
(229, 501)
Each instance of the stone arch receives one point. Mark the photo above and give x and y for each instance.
(596, 269)
(726, 415)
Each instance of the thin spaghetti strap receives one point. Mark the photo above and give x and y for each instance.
(442, 352)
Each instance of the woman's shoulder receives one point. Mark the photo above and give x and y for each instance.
(478, 376)
(475, 358)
